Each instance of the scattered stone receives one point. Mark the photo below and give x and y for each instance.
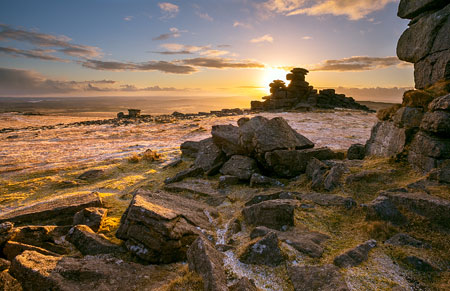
(316, 278)
(91, 175)
(189, 173)
(4, 265)
(383, 209)
(328, 199)
(40, 272)
(258, 180)
(159, 227)
(190, 149)
(13, 249)
(60, 209)
(355, 256)
(420, 264)
(291, 163)
(264, 251)
(276, 214)
(204, 259)
(316, 171)
(356, 151)
(90, 243)
(366, 176)
(175, 163)
(436, 209)
(91, 216)
(198, 186)
(273, 196)
(244, 284)
(240, 166)
(403, 239)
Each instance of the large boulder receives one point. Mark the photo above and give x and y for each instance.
(226, 137)
(383, 209)
(386, 140)
(240, 166)
(431, 69)
(60, 209)
(356, 151)
(263, 251)
(260, 135)
(204, 259)
(440, 103)
(436, 209)
(290, 163)
(428, 152)
(317, 278)
(408, 117)
(209, 158)
(409, 9)
(277, 214)
(190, 149)
(38, 272)
(159, 227)
(437, 122)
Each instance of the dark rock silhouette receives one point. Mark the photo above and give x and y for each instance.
(299, 95)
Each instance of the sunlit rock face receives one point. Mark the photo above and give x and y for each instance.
(420, 129)
(299, 95)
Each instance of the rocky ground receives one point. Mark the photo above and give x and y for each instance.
(256, 207)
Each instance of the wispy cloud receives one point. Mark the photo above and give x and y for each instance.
(222, 63)
(307, 37)
(162, 66)
(353, 9)
(241, 24)
(204, 16)
(168, 10)
(59, 43)
(264, 38)
(32, 54)
(128, 18)
(180, 49)
(15, 82)
(357, 63)
(174, 32)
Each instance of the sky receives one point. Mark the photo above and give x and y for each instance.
(199, 47)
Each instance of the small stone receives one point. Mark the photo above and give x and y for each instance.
(382, 208)
(356, 151)
(258, 180)
(355, 256)
(240, 166)
(91, 216)
(420, 264)
(264, 251)
(91, 175)
(227, 180)
(317, 278)
(403, 239)
(90, 243)
(6, 227)
(244, 284)
(272, 213)
(4, 264)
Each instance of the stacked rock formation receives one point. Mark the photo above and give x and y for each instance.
(419, 129)
(299, 95)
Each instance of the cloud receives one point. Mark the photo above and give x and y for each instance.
(180, 49)
(168, 10)
(204, 16)
(128, 18)
(241, 24)
(32, 54)
(266, 37)
(16, 82)
(353, 9)
(221, 63)
(224, 45)
(59, 43)
(306, 37)
(162, 66)
(174, 32)
(358, 63)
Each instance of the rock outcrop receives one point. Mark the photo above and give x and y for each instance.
(420, 128)
(299, 95)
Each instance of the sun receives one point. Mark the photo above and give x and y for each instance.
(271, 74)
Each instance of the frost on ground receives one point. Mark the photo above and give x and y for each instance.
(28, 150)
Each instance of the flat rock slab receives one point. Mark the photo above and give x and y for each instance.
(315, 278)
(61, 209)
(277, 214)
(323, 199)
(90, 243)
(199, 186)
(436, 209)
(159, 227)
(38, 272)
